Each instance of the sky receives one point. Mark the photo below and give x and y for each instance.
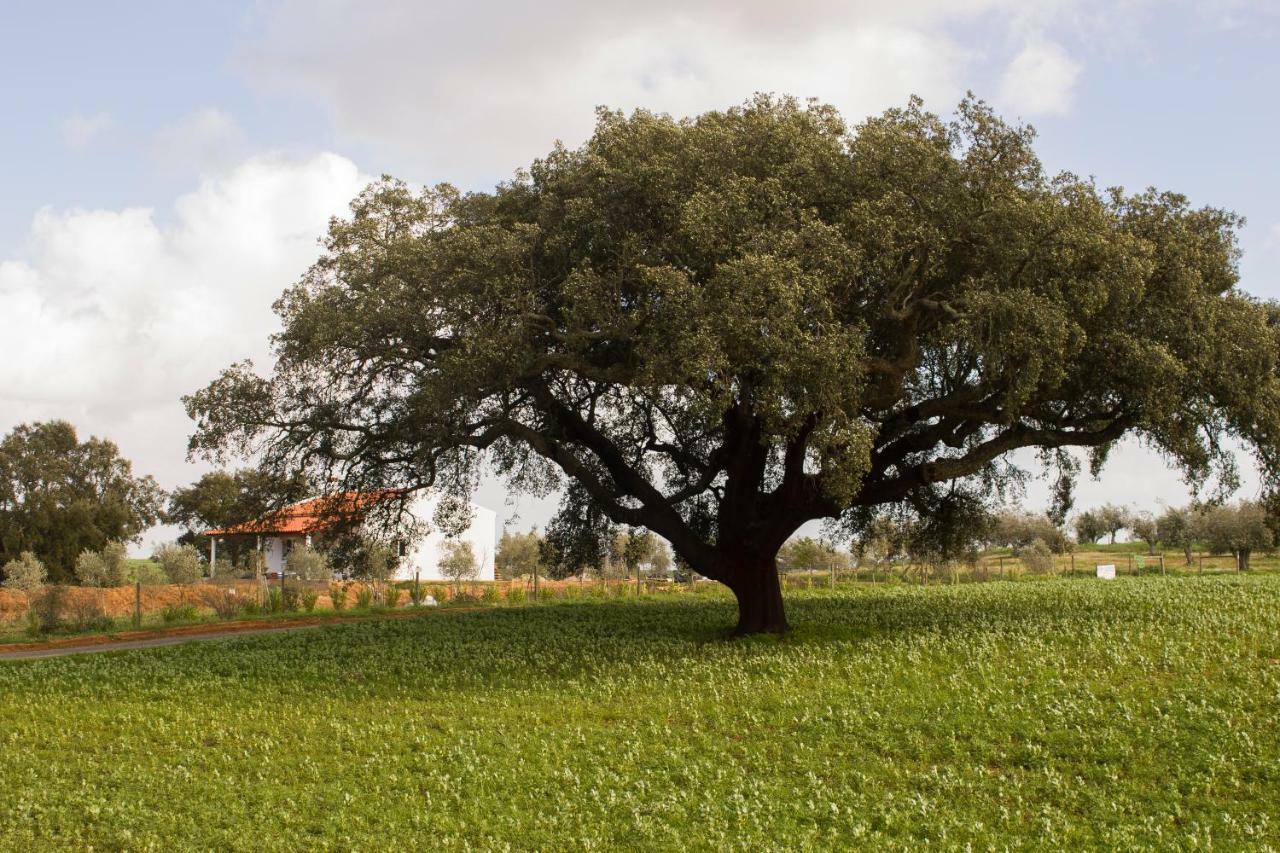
(167, 168)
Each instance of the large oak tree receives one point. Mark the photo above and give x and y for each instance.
(723, 327)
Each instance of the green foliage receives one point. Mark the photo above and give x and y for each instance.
(887, 696)
(515, 594)
(1144, 526)
(1018, 530)
(390, 595)
(1090, 527)
(178, 613)
(721, 328)
(490, 594)
(180, 563)
(108, 567)
(338, 595)
(363, 557)
(1179, 527)
(308, 564)
(222, 499)
(25, 573)
(1113, 519)
(1038, 557)
(458, 562)
(60, 497)
(518, 554)
(274, 602)
(807, 554)
(309, 596)
(1238, 529)
(49, 606)
(364, 598)
(147, 573)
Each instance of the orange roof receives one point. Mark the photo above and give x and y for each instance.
(310, 515)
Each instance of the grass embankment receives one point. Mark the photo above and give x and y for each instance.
(1063, 714)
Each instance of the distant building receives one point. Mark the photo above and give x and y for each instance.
(307, 523)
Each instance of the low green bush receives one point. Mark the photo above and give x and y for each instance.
(490, 594)
(309, 598)
(364, 598)
(338, 595)
(515, 594)
(391, 595)
(275, 600)
(173, 613)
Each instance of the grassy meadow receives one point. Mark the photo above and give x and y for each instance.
(1050, 713)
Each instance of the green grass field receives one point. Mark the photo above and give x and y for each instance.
(1057, 713)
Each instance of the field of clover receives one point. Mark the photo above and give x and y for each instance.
(1065, 713)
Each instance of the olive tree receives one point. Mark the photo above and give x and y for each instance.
(1239, 529)
(458, 562)
(723, 327)
(24, 573)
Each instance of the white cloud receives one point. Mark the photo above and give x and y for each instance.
(470, 93)
(1039, 80)
(208, 140)
(80, 131)
(110, 317)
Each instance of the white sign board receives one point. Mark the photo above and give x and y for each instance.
(1107, 572)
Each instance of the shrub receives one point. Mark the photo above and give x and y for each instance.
(309, 597)
(108, 567)
(364, 598)
(1037, 557)
(184, 612)
(338, 595)
(391, 595)
(224, 602)
(308, 564)
(490, 595)
(26, 573)
(91, 570)
(439, 593)
(224, 570)
(417, 594)
(48, 605)
(180, 563)
(290, 598)
(252, 606)
(86, 614)
(275, 600)
(515, 594)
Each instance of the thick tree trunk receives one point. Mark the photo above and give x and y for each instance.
(755, 583)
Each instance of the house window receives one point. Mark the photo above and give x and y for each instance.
(286, 547)
(402, 548)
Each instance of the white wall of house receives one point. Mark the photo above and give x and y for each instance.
(423, 556)
(275, 550)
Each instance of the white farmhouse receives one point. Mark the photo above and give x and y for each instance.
(305, 524)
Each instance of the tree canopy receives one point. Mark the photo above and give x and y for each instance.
(223, 499)
(60, 496)
(722, 327)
